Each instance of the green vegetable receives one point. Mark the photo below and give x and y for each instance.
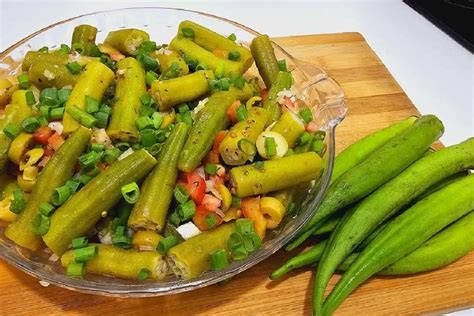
(126, 41)
(57, 171)
(387, 200)
(248, 180)
(282, 81)
(166, 244)
(168, 93)
(290, 126)
(85, 36)
(219, 259)
(208, 122)
(262, 51)
(157, 191)
(82, 211)
(172, 65)
(130, 192)
(46, 75)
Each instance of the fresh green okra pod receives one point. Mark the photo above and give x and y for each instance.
(130, 86)
(150, 210)
(283, 81)
(419, 223)
(191, 50)
(209, 121)
(56, 172)
(127, 40)
(48, 75)
(84, 209)
(168, 93)
(192, 257)
(114, 261)
(244, 133)
(84, 35)
(268, 176)
(93, 82)
(264, 55)
(211, 41)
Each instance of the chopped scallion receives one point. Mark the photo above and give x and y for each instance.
(181, 194)
(81, 116)
(60, 195)
(74, 67)
(219, 259)
(130, 192)
(12, 130)
(75, 269)
(166, 244)
(18, 203)
(30, 124)
(23, 81)
(270, 146)
(85, 254)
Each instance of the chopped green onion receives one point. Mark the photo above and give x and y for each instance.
(244, 226)
(157, 118)
(144, 274)
(215, 84)
(79, 242)
(146, 99)
(144, 122)
(305, 138)
(186, 210)
(43, 49)
(48, 93)
(73, 185)
(320, 135)
(44, 111)
(78, 47)
(92, 170)
(172, 72)
(236, 201)
(75, 269)
(235, 240)
(154, 149)
(30, 97)
(188, 32)
(46, 209)
(306, 115)
(252, 242)
(108, 62)
(23, 81)
(183, 108)
(210, 220)
(241, 113)
(74, 67)
(147, 137)
(102, 119)
(63, 95)
(84, 179)
(317, 146)
(258, 165)
(210, 169)
(270, 146)
(224, 84)
(174, 219)
(122, 146)
(219, 259)
(147, 46)
(43, 120)
(19, 202)
(234, 55)
(282, 65)
(90, 158)
(166, 244)
(247, 147)
(185, 117)
(64, 49)
(111, 155)
(105, 108)
(232, 37)
(95, 51)
(201, 66)
(97, 147)
(56, 113)
(121, 238)
(219, 72)
(239, 82)
(91, 104)
(81, 116)
(130, 192)
(146, 110)
(150, 76)
(148, 62)
(12, 130)
(85, 254)
(60, 195)
(41, 224)
(240, 253)
(30, 124)
(181, 194)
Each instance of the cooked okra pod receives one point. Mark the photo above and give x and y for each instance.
(127, 264)
(130, 86)
(150, 210)
(84, 209)
(209, 121)
(167, 58)
(168, 93)
(212, 41)
(84, 35)
(282, 81)
(290, 126)
(33, 57)
(56, 172)
(238, 145)
(272, 175)
(126, 40)
(193, 51)
(262, 51)
(93, 82)
(47, 75)
(192, 257)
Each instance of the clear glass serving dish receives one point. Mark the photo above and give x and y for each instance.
(312, 83)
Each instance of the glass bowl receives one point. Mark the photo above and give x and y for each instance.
(312, 84)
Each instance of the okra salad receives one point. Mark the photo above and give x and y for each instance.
(137, 160)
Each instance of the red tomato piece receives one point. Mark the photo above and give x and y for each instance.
(210, 202)
(232, 112)
(55, 141)
(201, 215)
(196, 186)
(42, 134)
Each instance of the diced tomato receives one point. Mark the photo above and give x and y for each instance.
(218, 140)
(210, 202)
(199, 218)
(212, 157)
(55, 141)
(48, 151)
(251, 210)
(311, 127)
(264, 94)
(196, 186)
(290, 105)
(42, 134)
(221, 53)
(232, 111)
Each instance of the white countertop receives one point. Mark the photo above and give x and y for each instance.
(434, 70)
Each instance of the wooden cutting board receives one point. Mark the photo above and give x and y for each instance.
(375, 100)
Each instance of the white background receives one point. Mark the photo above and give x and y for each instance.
(435, 71)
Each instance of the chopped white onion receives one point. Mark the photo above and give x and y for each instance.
(188, 230)
(57, 127)
(53, 257)
(200, 172)
(210, 185)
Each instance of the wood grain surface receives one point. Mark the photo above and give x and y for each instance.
(375, 100)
